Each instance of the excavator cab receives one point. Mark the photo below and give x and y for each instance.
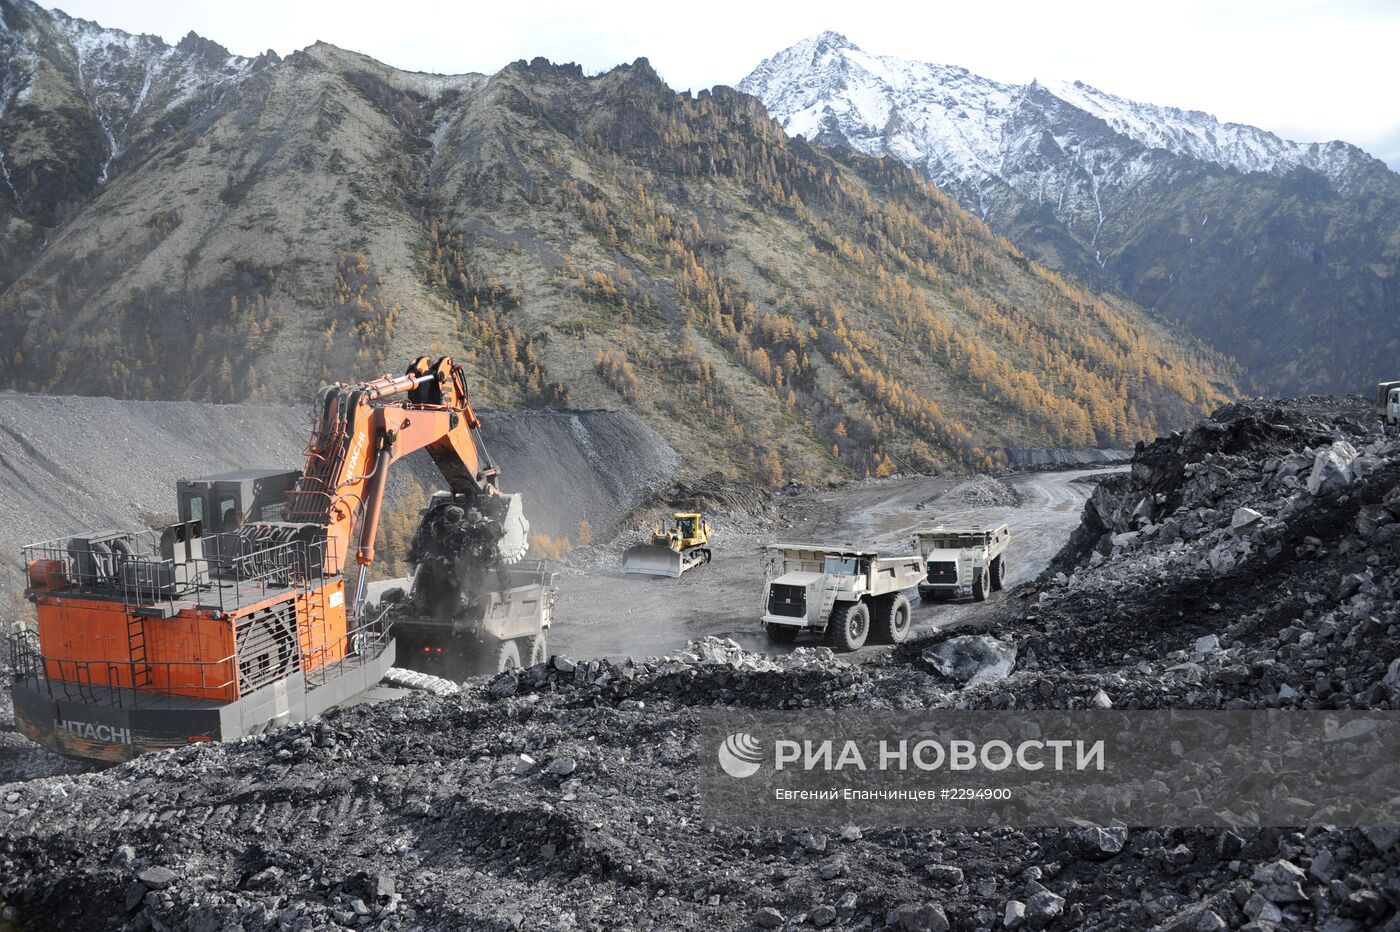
(225, 502)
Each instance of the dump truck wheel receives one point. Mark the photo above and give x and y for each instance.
(539, 649)
(507, 656)
(998, 575)
(895, 619)
(979, 585)
(781, 634)
(850, 626)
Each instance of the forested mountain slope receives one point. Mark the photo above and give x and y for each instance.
(773, 308)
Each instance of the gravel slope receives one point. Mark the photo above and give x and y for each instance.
(69, 463)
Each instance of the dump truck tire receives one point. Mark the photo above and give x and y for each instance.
(781, 634)
(895, 619)
(507, 656)
(998, 575)
(850, 626)
(979, 585)
(538, 650)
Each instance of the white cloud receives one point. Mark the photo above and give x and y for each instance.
(1306, 70)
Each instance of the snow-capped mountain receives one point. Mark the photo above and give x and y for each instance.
(1201, 136)
(1057, 144)
(110, 63)
(1203, 220)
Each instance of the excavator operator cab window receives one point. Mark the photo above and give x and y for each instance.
(194, 507)
(230, 515)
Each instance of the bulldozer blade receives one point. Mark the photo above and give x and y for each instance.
(515, 530)
(651, 560)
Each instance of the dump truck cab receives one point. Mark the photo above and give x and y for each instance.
(1388, 402)
(1390, 411)
(966, 561)
(845, 593)
(227, 501)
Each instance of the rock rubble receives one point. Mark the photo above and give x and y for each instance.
(563, 796)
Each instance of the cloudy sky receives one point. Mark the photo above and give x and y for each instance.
(1309, 70)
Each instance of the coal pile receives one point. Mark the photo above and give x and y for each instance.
(456, 548)
(715, 493)
(740, 514)
(1253, 562)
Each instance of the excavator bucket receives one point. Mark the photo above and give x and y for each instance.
(515, 530)
(651, 560)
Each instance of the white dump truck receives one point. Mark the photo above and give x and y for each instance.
(1388, 402)
(847, 594)
(962, 562)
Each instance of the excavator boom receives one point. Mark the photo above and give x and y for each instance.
(364, 428)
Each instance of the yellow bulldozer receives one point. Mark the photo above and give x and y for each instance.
(675, 547)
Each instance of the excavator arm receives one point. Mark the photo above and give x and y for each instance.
(363, 429)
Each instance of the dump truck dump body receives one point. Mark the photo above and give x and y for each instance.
(519, 611)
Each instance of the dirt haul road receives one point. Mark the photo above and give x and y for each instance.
(604, 613)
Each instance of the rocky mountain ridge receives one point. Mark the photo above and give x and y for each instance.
(776, 310)
(77, 99)
(960, 122)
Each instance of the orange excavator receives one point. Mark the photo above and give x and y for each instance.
(155, 639)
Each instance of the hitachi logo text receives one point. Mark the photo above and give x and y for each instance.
(94, 732)
(356, 449)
